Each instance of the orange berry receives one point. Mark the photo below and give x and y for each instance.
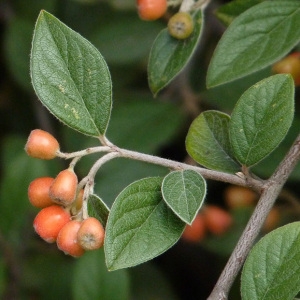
(41, 144)
(181, 25)
(239, 196)
(49, 221)
(290, 64)
(64, 187)
(272, 220)
(67, 239)
(196, 231)
(150, 10)
(38, 192)
(217, 220)
(91, 234)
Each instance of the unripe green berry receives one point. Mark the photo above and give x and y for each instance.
(181, 25)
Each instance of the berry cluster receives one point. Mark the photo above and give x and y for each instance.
(180, 25)
(60, 219)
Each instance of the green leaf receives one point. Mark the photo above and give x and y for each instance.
(207, 142)
(271, 271)
(98, 209)
(261, 118)
(140, 225)
(229, 11)
(255, 39)
(184, 192)
(169, 56)
(92, 281)
(70, 76)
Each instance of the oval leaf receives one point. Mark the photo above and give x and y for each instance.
(207, 142)
(272, 269)
(169, 56)
(255, 39)
(261, 118)
(70, 76)
(98, 209)
(184, 192)
(140, 225)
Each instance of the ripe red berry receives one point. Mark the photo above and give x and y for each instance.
(91, 234)
(290, 64)
(181, 25)
(196, 231)
(63, 188)
(49, 221)
(38, 192)
(150, 10)
(217, 220)
(41, 144)
(67, 239)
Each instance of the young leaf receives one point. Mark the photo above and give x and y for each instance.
(255, 39)
(271, 271)
(261, 118)
(98, 209)
(207, 142)
(70, 76)
(184, 192)
(140, 225)
(169, 56)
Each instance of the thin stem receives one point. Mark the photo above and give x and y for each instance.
(89, 180)
(237, 179)
(84, 152)
(270, 193)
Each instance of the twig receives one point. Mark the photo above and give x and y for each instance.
(271, 190)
